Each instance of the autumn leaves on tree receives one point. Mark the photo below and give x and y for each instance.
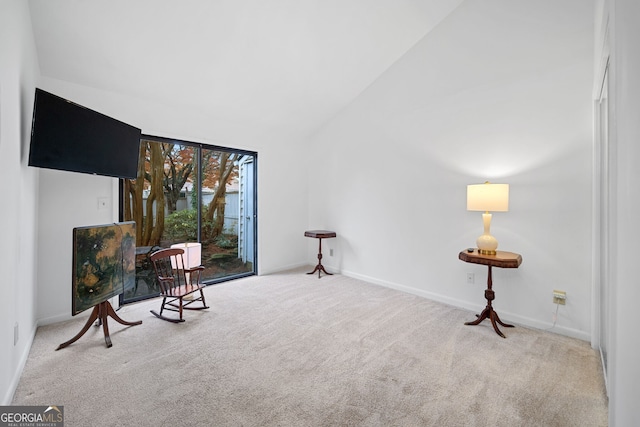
(163, 170)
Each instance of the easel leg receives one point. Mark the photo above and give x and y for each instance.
(94, 316)
(100, 312)
(111, 312)
(105, 324)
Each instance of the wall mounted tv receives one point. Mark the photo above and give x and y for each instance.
(67, 136)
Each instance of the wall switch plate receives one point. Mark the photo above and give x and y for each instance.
(330, 252)
(103, 203)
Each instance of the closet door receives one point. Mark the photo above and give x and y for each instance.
(602, 237)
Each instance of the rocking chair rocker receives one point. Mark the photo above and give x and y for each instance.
(176, 282)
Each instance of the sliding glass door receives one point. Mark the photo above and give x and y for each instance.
(195, 194)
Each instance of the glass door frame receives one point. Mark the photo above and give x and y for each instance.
(198, 180)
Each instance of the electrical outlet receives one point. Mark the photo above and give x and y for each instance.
(559, 297)
(331, 252)
(471, 279)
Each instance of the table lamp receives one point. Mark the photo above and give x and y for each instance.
(487, 198)
(191, 256)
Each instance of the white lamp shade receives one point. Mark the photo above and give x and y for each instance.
(488, 197)
(192, 253)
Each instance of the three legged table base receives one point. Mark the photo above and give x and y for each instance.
(500, 259)
(100, 313)
(320, 268)
(489, 313)
(320, 234)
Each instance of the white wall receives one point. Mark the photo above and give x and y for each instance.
(69, 200)
(499, 91)
(18, 192)
(512, 98)
(624, 102)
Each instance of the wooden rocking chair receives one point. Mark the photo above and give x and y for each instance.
(176, 282)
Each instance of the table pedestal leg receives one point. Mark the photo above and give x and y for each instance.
(320, 268)
(100, 313)
(489, 312)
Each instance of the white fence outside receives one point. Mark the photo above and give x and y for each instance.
(231, 210)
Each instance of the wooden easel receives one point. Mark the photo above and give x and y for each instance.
(100, 312)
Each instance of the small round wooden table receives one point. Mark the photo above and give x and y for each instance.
(500, 259)
(320, 234)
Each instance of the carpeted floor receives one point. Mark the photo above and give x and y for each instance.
(294, 350)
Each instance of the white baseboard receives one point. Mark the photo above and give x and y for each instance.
(54, 319)
(8, 398)
(264, 272)
(505, 315)
(24, 356)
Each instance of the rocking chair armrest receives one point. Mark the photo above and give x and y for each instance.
(163, 279)
(193, 269)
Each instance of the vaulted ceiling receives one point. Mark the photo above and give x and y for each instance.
(276, 63)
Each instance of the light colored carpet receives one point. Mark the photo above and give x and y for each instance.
(294, 350)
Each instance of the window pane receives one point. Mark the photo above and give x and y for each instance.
(227, 219)
(171, 175)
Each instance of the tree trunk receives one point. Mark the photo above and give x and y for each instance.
(218, 223)
(127, 193)
(217, 204)
(177, 174)
(136, 192)
(153, 229)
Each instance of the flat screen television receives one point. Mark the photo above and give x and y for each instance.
(67, 136)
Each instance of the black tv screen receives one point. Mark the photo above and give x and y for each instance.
(67, 136)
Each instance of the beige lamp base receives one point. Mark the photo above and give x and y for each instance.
(487, 244)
